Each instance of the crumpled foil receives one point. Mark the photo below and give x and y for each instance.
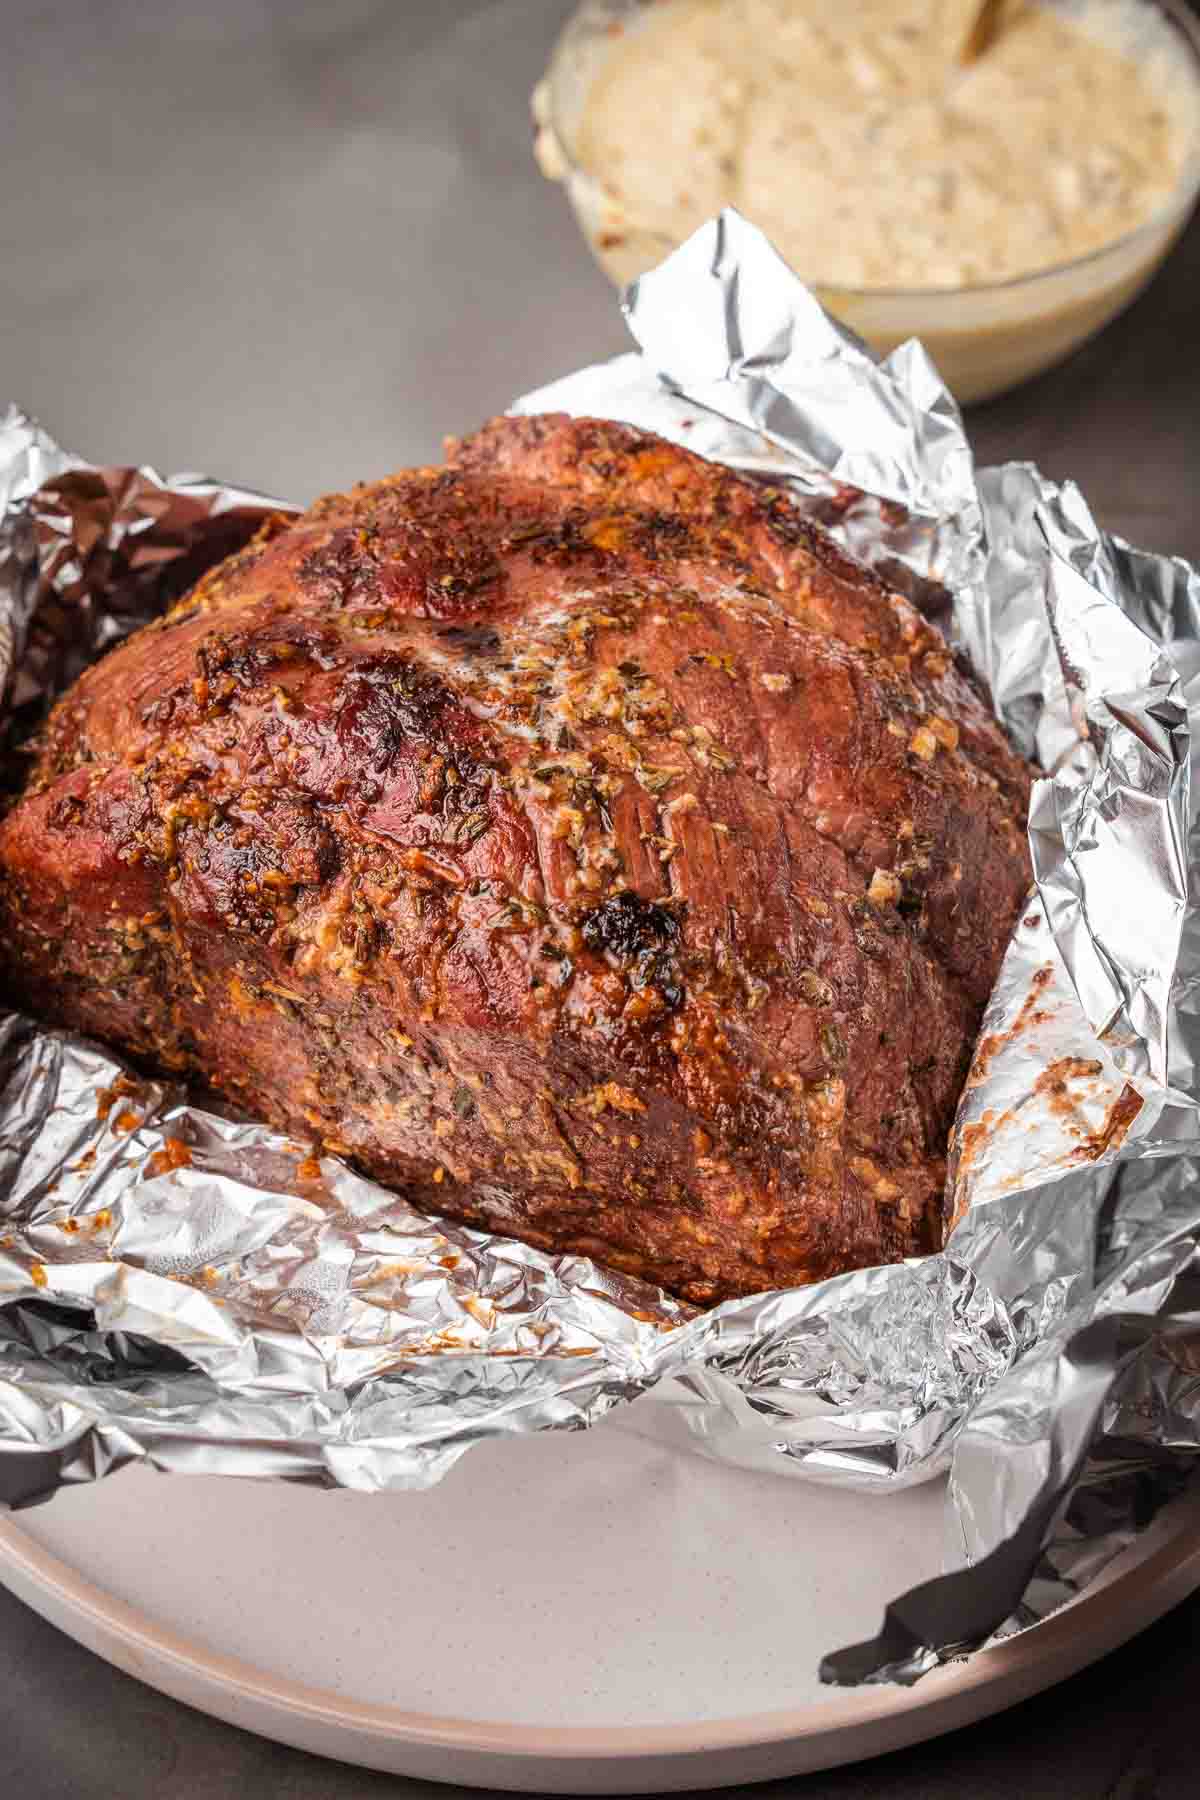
(184, 1286)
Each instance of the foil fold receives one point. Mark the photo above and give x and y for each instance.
(190, 1288)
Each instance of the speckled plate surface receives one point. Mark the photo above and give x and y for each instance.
(595, 1613)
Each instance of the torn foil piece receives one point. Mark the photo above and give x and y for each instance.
(192, 1289)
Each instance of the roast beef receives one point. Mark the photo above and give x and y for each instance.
(570, 836)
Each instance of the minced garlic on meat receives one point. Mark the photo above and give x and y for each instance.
(869, 156)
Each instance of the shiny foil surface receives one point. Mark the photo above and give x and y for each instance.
(184, 1286)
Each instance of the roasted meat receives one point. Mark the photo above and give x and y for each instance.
(571, 836)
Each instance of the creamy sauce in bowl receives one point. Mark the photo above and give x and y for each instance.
(849, 132)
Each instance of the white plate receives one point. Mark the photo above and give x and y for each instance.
(592, 1613)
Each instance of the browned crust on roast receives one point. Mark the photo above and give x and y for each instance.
(571, 835)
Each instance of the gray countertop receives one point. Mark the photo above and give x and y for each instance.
(294, 244)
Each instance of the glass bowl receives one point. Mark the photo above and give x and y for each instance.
(984, 338)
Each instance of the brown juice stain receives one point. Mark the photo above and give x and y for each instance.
(1053, 1082)
(1054, 1079)
(107, 1097)
(1053, 1085)
(389, 1272)
(1119, 1117)
(1031, 1015)
(175, 1154)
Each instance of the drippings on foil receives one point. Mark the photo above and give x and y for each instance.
(186, 1287)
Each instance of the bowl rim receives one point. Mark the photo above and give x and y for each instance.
(1168, 216)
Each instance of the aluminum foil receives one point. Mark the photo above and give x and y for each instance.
(190, 1288)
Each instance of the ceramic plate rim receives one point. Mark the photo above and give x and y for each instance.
(1114, 1609)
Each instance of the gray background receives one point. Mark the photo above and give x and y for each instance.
(295, 244)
